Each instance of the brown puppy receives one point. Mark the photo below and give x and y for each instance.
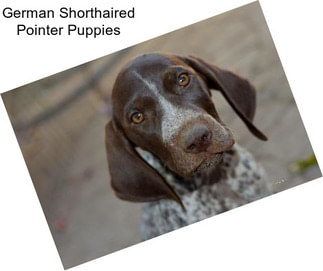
(162, 104)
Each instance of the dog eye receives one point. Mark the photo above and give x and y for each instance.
(137, 117)
(183, 79)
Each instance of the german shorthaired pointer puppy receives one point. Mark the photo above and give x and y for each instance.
(168, 148)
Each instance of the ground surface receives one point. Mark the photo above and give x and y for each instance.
(66, 156)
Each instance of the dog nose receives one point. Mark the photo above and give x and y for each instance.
(197, 139)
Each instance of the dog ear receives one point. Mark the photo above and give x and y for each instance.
(238, 92)
(132, 178)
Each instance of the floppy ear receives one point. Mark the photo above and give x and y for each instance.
(238, 92)
(131, 177)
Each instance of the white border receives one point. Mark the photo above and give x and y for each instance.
(281, 232)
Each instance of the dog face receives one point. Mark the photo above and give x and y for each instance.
(162, 104)
(164, 107)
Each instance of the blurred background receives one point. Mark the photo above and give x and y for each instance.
(59, 123)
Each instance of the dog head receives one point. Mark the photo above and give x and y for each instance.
(162, 104)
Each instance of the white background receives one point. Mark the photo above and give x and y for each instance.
(283, 231)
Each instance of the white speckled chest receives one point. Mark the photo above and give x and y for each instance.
(243, 181)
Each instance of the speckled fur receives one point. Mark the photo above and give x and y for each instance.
(244, 181)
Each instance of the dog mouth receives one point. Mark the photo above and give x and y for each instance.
(210, 162)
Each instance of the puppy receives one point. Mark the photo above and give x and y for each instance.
(167, 146)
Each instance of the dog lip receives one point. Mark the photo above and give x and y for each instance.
(215, 160)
